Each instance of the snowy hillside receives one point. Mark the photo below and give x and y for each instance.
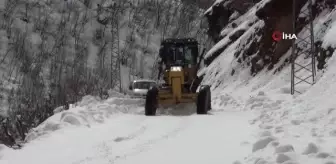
(254, 119)
(293, 129)
(52, 53)
(85, 29)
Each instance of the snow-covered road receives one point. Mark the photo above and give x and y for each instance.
(130, 139)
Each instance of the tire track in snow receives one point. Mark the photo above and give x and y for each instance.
(108, 156)
(139, 148)
(104, 149)
(131, 136)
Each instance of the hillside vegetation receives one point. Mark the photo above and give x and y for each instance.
(55, 52)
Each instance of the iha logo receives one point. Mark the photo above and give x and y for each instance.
(277, 36)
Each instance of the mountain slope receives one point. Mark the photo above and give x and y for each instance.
(296, 129)
(254, 118)
(52, 53)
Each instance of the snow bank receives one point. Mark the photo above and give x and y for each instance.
(2, 148)
(330, 38)
(89, 111)
(297, 130)
(293, 129)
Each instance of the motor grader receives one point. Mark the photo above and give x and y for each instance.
(180, 61)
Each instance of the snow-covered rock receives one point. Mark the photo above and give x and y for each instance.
(289, 125)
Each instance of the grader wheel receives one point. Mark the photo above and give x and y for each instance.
(204, 100)
(151, 103)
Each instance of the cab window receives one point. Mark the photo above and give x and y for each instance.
(179, 54)
(143, 85)
(188, 57)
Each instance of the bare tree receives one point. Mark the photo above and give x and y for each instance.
(53, 70)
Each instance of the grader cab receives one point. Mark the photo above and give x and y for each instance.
(180, 61)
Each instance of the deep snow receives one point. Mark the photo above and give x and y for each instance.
(107, 132)
(255, 121)
(296, 129)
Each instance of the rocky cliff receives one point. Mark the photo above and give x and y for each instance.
(259, 51)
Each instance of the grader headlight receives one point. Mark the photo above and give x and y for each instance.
(175, 69)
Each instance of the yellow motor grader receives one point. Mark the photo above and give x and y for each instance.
(180, 61)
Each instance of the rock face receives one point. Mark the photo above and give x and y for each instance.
(277, 16)
(201, 3)
(217, 19)
(223, 12)
(204, 3)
